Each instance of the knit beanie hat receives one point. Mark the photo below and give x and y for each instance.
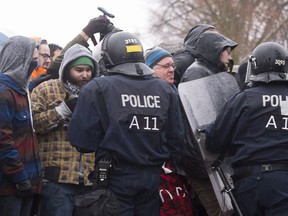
(83, 60)
(154, 55)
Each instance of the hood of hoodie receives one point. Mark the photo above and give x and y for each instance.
(15, 58)
(192, 37)
(73, 53)
(209, 47)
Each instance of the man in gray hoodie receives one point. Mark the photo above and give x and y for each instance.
(20, 170)
(65, 170)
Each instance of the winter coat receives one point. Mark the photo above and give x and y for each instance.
(60, 161)
(207, 52)
(185, 57)
(19, 153)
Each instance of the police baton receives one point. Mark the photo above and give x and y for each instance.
(227, 187)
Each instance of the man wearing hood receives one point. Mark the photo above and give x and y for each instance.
(20, 172)
(184, 58)
(213, 54)
(65, 170)
(95, 25)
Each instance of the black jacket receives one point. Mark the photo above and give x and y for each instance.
(137, 120)
(208, 63)
(254, 124)
(208, 50)
(185, 57)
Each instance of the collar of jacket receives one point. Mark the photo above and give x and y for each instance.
(11, 84)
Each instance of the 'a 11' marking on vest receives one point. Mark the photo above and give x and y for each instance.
(276, 121)
(143, 123)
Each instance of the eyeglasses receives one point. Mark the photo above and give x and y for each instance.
(45, 56)
(167, 66)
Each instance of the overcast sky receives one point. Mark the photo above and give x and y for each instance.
(59, 21)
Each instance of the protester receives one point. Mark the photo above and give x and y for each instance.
(185, 57)
(20, 173)
(213, 54)
(175, 191)
(44, 59)
(55, 50)
(131, 118)
(162, 63)
(252, 129)
(65, 170)
(95, 25)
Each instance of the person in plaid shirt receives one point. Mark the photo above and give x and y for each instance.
(65, 170)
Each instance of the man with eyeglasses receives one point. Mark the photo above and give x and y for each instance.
(162, 63)
(44, 60)
(174, 190)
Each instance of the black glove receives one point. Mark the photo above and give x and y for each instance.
(24, 188)
(37, 80)
(96, 25)
(108, 29)
(71, 103)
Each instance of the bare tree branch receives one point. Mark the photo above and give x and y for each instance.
(248, 22)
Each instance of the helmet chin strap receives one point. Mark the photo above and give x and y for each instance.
(251, 63)
(139, 70)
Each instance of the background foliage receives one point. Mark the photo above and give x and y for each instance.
(248, 22)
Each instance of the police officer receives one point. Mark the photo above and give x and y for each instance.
(253, 127)
(131, 117)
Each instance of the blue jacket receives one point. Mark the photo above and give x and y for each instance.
(19, 154)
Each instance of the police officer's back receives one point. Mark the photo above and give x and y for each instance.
(253, 125)
(132, 118)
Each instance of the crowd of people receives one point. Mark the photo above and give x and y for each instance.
(107, 123)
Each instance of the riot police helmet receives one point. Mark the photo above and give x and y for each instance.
(122, 52)
(268, 62)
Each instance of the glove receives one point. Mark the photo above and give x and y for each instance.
(96, 25)
(71, 103)
(24, 188)
(108, 29)
(37, 80)
(63, 110)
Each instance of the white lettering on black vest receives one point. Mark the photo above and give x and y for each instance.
(145, 101)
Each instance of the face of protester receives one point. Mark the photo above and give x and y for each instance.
(225, 56)
(164, 69)
(79, 75)
(44, 56)
(56, 53)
